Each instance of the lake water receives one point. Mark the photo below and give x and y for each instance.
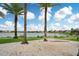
(30, 34)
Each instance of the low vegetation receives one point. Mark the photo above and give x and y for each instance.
(58, 37)
(71, 38)
(20, 39)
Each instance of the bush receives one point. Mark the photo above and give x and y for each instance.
(39, 36)
(59, 37)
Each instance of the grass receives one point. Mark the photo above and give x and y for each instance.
(8, 40)
(20, 39)
(58, 37)
(70, 38)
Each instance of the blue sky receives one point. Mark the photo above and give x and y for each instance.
(61, 17)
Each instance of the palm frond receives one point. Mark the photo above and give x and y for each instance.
(2, 14)
(48, 4)
(7, 7)
(14, 8)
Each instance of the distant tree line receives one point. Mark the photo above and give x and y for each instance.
(75, 32)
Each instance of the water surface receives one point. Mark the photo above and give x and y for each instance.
(30, 34)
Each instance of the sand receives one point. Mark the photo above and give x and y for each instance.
(40, 48)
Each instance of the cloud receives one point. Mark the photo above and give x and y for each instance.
(49, 15)
(33, 27)
(62, 13)
(3, 11)
(65, 27)
(3, 26)
(73, 18)
(9, 25)
(58, 27)
(40, 27)
(6, 24)
(49, 9)
(30, 15)
(55, 28)
(20, 27)
(57, 24)
(70, 21)
(61, 28)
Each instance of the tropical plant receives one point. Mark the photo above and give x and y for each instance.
(2, 14)
(25, 24)
(15, 9)
(72, 31)
(76, 32)
(45, 6)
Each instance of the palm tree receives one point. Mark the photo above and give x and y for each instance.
(2, 14)
(15, 9)
(46, 5)
(25, 24)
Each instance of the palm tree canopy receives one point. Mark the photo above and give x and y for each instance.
(48, 4)
(14, 8)
(1, 14)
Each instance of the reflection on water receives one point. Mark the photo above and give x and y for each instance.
(29, 34)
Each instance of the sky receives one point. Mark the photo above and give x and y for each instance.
(60, 17)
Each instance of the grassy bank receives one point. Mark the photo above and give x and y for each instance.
(10, 40)
(20, 39)
(70, 38)
(58, 37)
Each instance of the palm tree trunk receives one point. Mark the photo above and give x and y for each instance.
(25, 24)
(45, 24)
(16, 19)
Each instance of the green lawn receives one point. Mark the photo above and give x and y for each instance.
(21, 39)
(10, 40)
(71, 38)
(58, 37)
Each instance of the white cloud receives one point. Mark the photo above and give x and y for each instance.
(65, 27)
(76, 26)
(9, 25)
(70, 21)
(57, 24)
(62, 13)
(33, 27)
(3, 26)
(3, 11)
(40, 27)
(20, 27)
(68, 27)
(41, 16)
(6, 25)
(57, 27)
(30, 15)
(49, 9)
(73, 18)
